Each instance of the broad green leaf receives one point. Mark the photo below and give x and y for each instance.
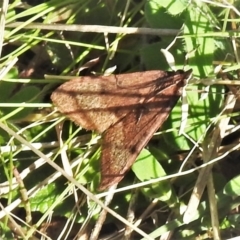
(174, 7)
(232, 188)
(157, 16)
(45, 198)
(146, 167)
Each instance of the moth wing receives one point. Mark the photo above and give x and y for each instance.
(123, 141)
(127, 108)
(96, 103)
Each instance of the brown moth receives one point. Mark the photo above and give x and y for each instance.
(126, 108)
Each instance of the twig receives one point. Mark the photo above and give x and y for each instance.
(130, 213)
(3, 13)
(24, 196)
(103, 214)
(96, 28)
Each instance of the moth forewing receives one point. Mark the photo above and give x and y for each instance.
(123, 141)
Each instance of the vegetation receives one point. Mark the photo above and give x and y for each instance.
(50, 170)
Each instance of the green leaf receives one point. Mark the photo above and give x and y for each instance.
(146, 167)
(232, 188)
(201, 60)
(158, 17)
(200, 111)
(6, 88)
(45, 198)
(199, 114)
(153, 58)
(26, 94)
(174, 7)
(234, 220)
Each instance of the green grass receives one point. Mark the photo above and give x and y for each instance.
(30, 180)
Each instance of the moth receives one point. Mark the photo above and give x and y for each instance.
(127, 109)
